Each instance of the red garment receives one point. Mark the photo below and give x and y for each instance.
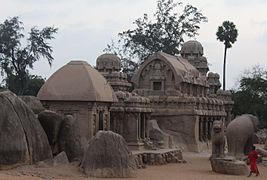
(253, 156)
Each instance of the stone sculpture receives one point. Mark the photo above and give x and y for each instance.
(107, 155)
(159, 138)
(23, 140)
(218, 139)
(239, 133)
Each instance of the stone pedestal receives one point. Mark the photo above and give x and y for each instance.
(229, 166)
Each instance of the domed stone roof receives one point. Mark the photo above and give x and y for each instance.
(107, 62)
(192, 47)
(77, 81)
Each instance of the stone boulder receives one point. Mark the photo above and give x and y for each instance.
(23, 140)
(107, 155)
(34, 103)
(51, 123)
(69, 139)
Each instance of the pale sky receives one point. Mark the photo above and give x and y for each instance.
(87, 26)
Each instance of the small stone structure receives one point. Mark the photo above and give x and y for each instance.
(79, 90)
(107, 155)
(23, 140)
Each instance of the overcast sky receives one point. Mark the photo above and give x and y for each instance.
(87, 26)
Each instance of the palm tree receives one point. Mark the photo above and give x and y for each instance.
(226, 33)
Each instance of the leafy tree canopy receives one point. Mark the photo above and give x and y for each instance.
(251, 96)
(164, 32)
(16, 59)
(227, 33)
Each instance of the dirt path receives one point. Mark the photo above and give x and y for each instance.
(196, 168)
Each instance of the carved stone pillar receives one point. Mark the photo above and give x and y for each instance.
(205, 129)
(200, 129)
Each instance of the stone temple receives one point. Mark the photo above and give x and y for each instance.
(177, 92)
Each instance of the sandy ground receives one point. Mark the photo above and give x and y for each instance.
(196, 168)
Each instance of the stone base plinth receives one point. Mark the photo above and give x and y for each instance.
(158, 157)
(229, 166)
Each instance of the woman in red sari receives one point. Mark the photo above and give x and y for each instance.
(253, 156)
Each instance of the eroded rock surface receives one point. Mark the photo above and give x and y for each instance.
(23, 140)
(107, 155)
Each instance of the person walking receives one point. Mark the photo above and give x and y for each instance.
(253, 156)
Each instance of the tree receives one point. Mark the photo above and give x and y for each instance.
(15, 59)
(34, 83)
(165, 32)
(226, 33)
(251, 96)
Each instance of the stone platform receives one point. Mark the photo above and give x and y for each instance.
(158, 157)
(229, 166)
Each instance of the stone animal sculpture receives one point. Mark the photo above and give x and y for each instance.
(218, 139)
(22, 138)
(239, 133)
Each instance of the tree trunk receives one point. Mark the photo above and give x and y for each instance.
(224, 66)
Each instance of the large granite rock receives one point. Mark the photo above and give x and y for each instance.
(229, 166)
(69, 139)
(34, 103)
(51, 122)
(107, 155)
(63, 134)
(22, 138)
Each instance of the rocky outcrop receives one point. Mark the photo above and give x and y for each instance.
(69, 139)
(63, 134)
(51, 122)
(107, 155)
(23, 140)
(34, 103)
